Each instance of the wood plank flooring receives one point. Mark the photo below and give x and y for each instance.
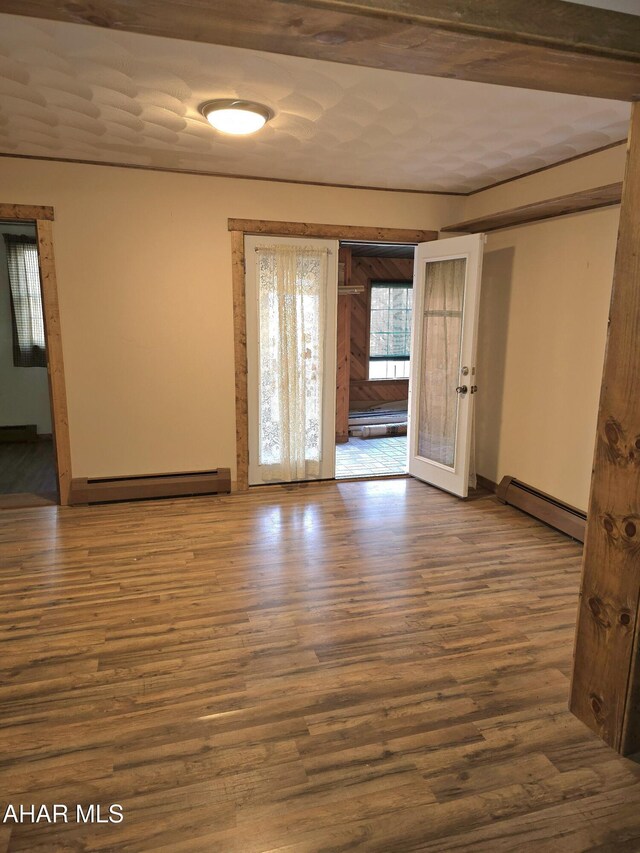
(27, 468)
(368, 666)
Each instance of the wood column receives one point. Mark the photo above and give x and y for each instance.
(343, 367)
(55, 361)
(605, 692)
(240, 355)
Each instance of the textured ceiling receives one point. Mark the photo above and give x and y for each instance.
(84, 93)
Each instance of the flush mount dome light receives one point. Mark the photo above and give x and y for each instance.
(240, 118)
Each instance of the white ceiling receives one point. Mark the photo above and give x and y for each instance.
(84, 93)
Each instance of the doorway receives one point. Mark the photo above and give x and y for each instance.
(240, 230)
(291, 287)
(375, 300)
(446, 286)
(35, 465)
(27, 461)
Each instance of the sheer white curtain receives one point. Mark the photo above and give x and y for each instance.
(440, 360)
(292, 283)
(26, 301)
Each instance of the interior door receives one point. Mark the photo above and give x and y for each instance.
(442, 382)
(291, 299)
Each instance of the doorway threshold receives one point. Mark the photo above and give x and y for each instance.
(371, 457)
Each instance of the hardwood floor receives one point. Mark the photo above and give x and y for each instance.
(366, 666)
(28, 469)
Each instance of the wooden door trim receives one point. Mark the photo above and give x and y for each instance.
(42, 217)
(25, 212)
(316, 231)
(238, 228)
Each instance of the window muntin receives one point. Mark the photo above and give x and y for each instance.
(390, 329)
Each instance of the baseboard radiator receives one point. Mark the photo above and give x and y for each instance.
(106, 489)
(553, 512)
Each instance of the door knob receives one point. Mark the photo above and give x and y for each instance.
(461, 389)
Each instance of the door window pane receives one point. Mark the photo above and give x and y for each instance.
(440, 360)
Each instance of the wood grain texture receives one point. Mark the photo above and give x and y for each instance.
(343, 368)
(278, 670)
(363, 272)
(55, 360)
(25, 212)
(606, 679)
(275, 228)
(379, 390)
(549, 45)
(240, 359)
(22, 500)
(240, 227)
(576, 202)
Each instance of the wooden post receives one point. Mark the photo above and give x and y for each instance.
(55, 362)
(240, 353)
(605, 692)
(343, 366)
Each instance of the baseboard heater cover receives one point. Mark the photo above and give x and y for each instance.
(106, 489)
(544, 507)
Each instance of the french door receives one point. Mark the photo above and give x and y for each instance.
(291, 298)
(442, 382)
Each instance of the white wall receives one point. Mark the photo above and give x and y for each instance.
(24, 391)
(543, 321)
(144, 278)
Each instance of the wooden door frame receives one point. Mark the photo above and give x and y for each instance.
(42, 218)
(272, 228)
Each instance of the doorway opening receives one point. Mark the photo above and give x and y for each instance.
(244, 304)
(375, 301)
(27, 457)
(35, 467)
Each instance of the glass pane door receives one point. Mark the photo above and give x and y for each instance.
(442, 382)
(440, 360)
(291, 288)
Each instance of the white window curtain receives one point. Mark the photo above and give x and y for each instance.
(292, 283)
(26, 302)
(441, 346)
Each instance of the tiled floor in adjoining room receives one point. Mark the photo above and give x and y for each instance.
(363, 457)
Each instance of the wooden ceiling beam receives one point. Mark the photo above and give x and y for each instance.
(548, 45)
(562, 205)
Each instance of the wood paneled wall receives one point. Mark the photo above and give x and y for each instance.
(353, 340)
(378, 390)
(363, 272)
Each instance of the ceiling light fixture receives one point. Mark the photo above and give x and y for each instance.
(231, 115)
